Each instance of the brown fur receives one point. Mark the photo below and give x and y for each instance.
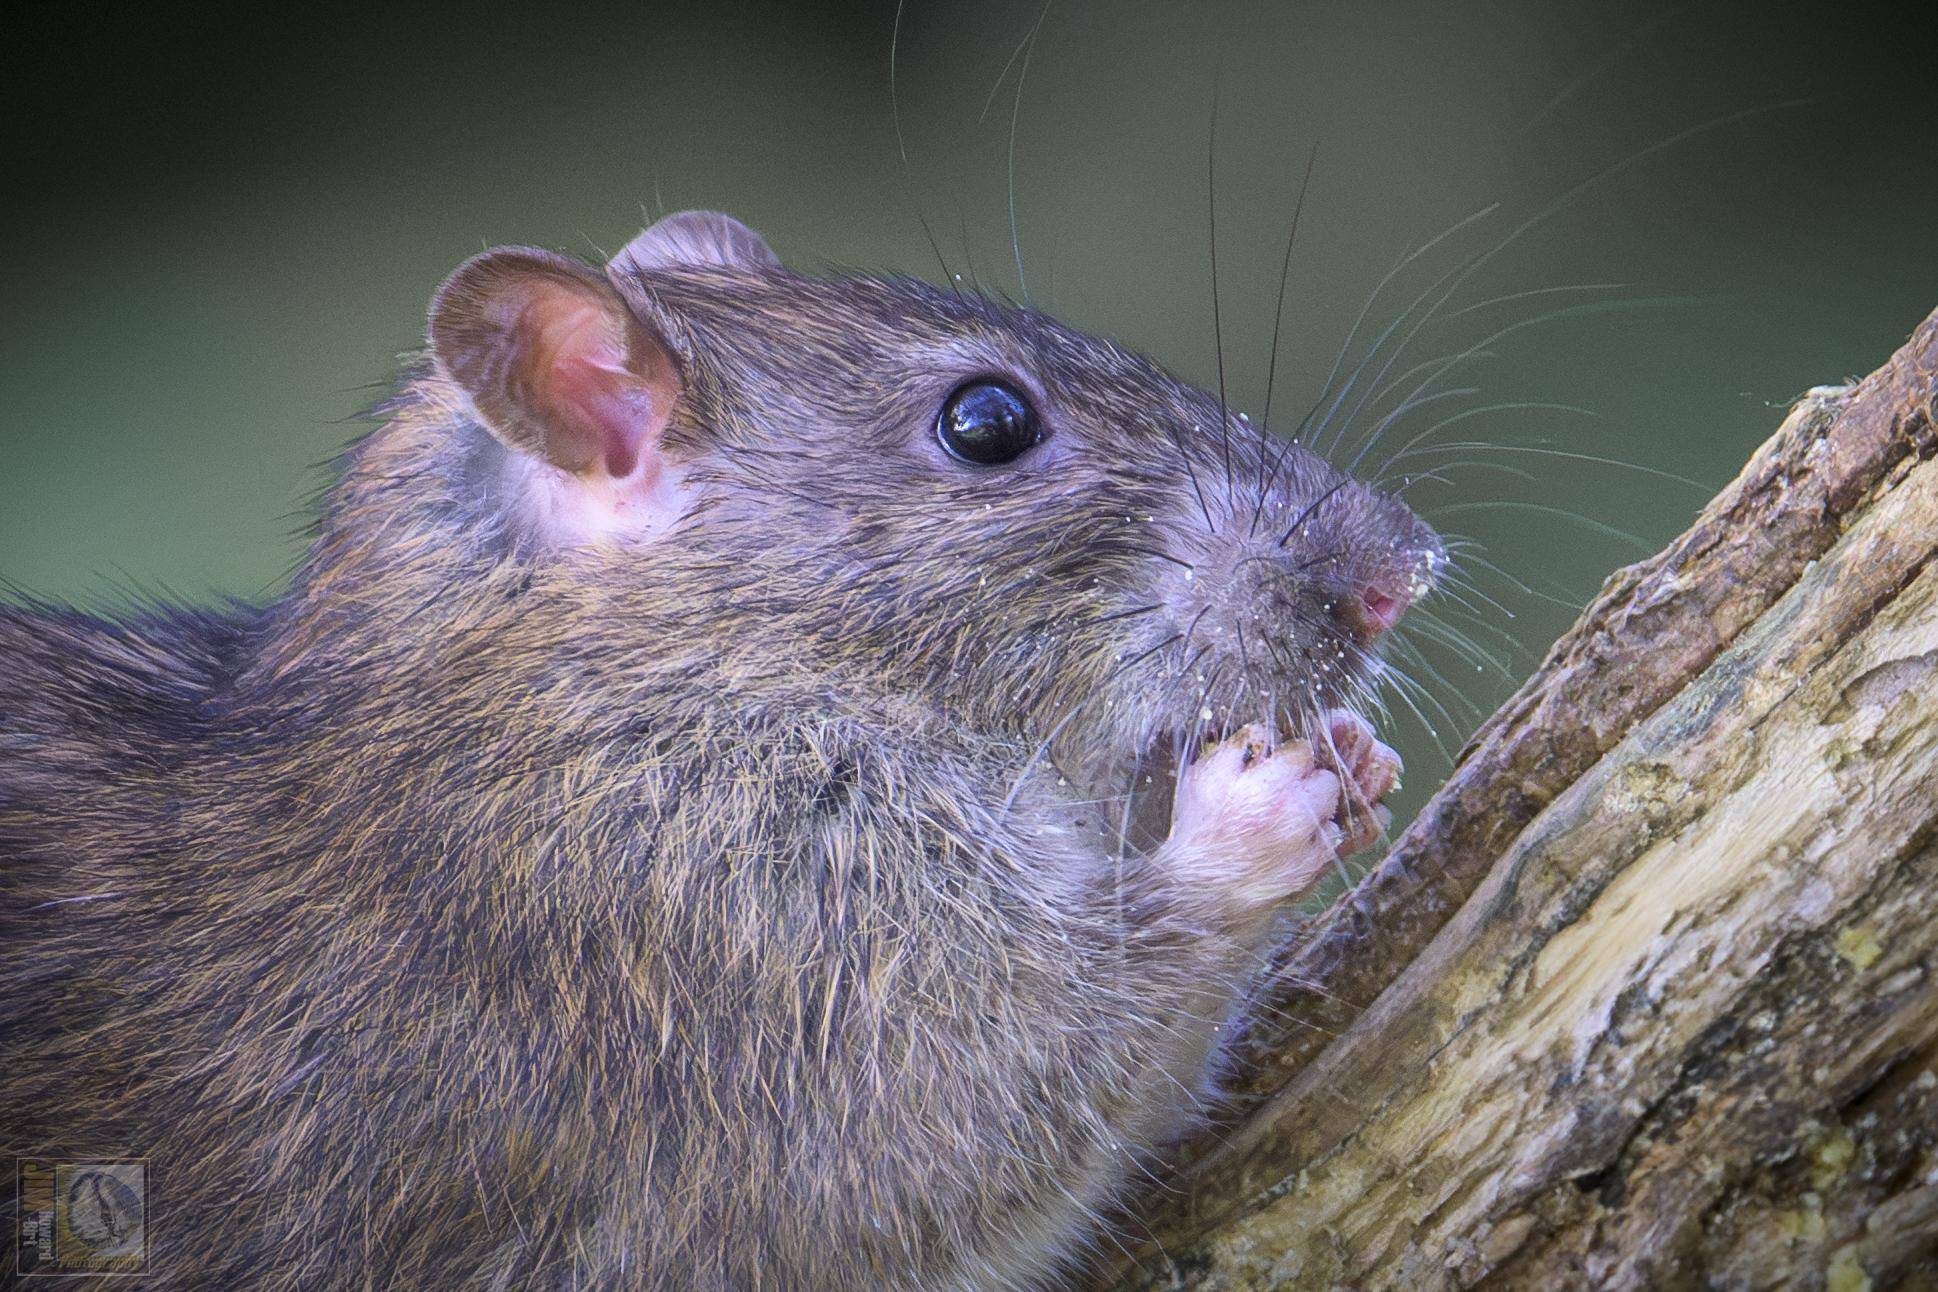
(707, 913)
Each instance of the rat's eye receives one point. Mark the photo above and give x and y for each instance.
(986, 423)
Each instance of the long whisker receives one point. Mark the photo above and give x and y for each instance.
(990, 100)
(894, 102)
(1571, 605)
(1267, 475)
(1132, 613)
(1161, 555)
(1015, 114)
(1454, 694)
(1310, 508)
(1511, 406)
(1337, 425)
(1404, 687)
(1475, 446)
(1376, 393)
(1184, 456)
(1599, 527)
(1510, 297)
(1463, 645)
(1352, 333)
(1452, 361)
(1217, 317)
(901, 150)
(1438, 473)
(1614, 55)
(1419, 401)
(1453, 588)
(1285, 271)
(1574, 194)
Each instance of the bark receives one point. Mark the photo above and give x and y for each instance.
(1647, 997)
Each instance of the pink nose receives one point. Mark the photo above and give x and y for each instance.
(1376, 609)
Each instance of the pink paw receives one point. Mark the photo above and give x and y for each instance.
(1257, 820)
(1370, 771)
(1253, 820)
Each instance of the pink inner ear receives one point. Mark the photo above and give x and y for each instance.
(605, 409)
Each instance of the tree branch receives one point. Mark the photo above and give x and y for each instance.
(1648, 994)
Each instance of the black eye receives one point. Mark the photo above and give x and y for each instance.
(986, 423)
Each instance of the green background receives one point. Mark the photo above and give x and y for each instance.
(225, 231)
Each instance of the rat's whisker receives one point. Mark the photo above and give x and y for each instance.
(1414, 404)
(1454, 694)
(1440, 475)
(1565, 312)
(1352, 333)
(1404, 687)
(1464, 551)
(1409, 449)
(1161, 555)
(1015, 115)
(1463, 646)
(1373, 391)
(1508, 298)
(1132, 613)
(1574, 194)
(1476, 446)
(1307, 514)
(1191, 472)
(1511, 504)
(1217, 315)
(1285, 271)
(1440, 611)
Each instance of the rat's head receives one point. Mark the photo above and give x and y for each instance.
(916, 493)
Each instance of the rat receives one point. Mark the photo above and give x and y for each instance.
(760, 780)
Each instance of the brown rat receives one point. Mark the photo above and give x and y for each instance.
(682, 826)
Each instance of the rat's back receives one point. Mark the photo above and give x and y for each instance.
(86, 701)
(98, 718)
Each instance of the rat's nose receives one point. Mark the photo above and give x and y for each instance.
(1376, 607)
(1383, 593)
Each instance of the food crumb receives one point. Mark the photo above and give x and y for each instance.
(1831, 1158)
(1846, 1273)
(1859, 946)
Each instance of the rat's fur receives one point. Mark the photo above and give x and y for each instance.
(748, 907)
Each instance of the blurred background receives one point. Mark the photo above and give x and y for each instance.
(1661, 225)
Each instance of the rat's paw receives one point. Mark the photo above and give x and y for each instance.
(1254, 821)
(1370, 770)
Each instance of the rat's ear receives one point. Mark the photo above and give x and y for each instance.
(555, 363)
(695, 239)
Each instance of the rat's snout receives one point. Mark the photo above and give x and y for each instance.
(1397, 558)
(1379, 596)
(1297, 608)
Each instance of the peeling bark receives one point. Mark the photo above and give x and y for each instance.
(1648, 995)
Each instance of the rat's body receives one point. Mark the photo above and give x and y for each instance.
(672, 834)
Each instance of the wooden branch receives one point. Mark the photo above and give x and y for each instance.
(1648, 994)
